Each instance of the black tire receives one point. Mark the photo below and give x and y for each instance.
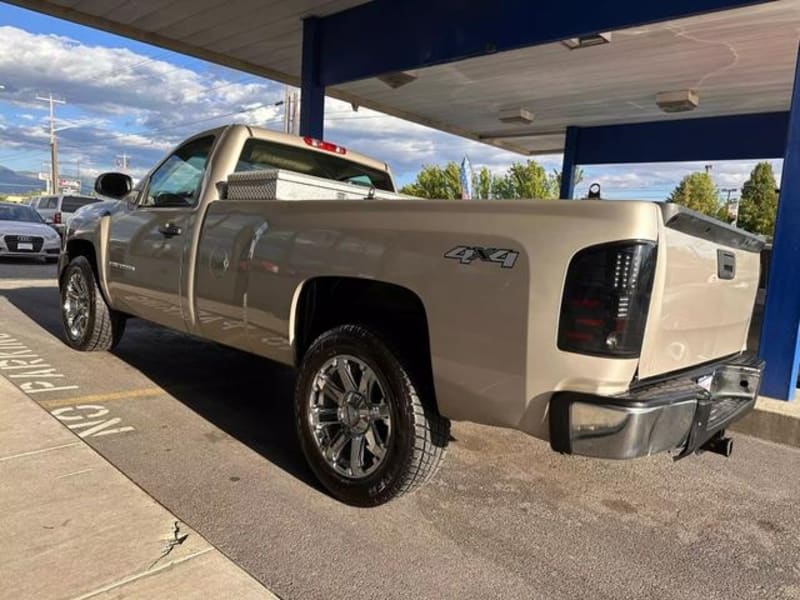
(104, 326)
(419, 441)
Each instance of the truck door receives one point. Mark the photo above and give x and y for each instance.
(150, 241)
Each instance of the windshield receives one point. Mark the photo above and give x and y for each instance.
(262, 154)
(177, 180)
(25, 214)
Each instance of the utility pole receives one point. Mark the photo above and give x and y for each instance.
(286, 109)
(729, 191)
(53, 141)
(291, 110)
(295, 112)
(45, 174)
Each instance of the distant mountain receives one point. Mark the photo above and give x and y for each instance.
(87, 182)
(22, 182)
(12, 182)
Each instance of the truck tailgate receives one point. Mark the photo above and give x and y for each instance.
(703, 296)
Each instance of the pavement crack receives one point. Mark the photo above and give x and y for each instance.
(176, 540)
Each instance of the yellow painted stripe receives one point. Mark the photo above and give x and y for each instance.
(93, 398)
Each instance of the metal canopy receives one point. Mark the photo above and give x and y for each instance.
(739, 61)
(363, 41)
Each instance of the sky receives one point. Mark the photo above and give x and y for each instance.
(125, 97)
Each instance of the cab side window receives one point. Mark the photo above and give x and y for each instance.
(176, 183)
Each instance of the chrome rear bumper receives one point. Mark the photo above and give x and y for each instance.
(679, 414)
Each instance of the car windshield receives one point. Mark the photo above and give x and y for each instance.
(26, 214)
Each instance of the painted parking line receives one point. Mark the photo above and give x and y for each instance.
(149, 392)
(13, 284)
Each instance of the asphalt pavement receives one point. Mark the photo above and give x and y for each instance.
(207, 432)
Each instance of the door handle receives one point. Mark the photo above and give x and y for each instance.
(170, 230)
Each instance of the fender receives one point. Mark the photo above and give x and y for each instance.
(101, 254)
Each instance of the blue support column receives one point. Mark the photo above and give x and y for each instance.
(312, 94)
(569, 164)
(779, 334)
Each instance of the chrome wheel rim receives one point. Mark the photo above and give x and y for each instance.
(76, 305)
(349, 416)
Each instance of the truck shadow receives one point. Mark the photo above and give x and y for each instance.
(248, 397)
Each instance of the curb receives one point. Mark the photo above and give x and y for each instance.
(772, 420)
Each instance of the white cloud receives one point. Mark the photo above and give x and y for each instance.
(407, 146)
(117, 100)
(656, 180)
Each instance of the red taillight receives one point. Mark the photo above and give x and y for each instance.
(57, 218)
(606, 298)
(322, 145)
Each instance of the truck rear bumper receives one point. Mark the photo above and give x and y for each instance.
(680, 413)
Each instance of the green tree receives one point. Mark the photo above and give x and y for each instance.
(698, 192)
(526, 180)
(759, 201)
(484, 184)
(556, 175)
(436, 182)
(521, 180)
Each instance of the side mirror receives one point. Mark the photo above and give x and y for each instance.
(113, 185)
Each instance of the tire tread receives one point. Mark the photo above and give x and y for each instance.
(107, 326)
(431, 431)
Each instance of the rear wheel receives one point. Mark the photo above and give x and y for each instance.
(363, 427)
(89, 323)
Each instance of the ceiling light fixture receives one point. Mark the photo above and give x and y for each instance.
(516, 116)
(398, 79)
(677, 101)
(585, 41)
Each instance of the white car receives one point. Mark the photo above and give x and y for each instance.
(23, 233)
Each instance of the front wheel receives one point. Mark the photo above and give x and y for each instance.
(89, 323)
(363, 427)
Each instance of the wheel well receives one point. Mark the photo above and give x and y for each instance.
(85, 248)
(392, 311)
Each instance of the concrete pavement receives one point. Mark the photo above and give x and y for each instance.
(73, 526)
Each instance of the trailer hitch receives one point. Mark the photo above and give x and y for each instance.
(718, 444)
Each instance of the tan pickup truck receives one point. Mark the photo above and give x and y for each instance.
(611, 329)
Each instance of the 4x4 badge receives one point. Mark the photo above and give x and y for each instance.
(467, 254)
